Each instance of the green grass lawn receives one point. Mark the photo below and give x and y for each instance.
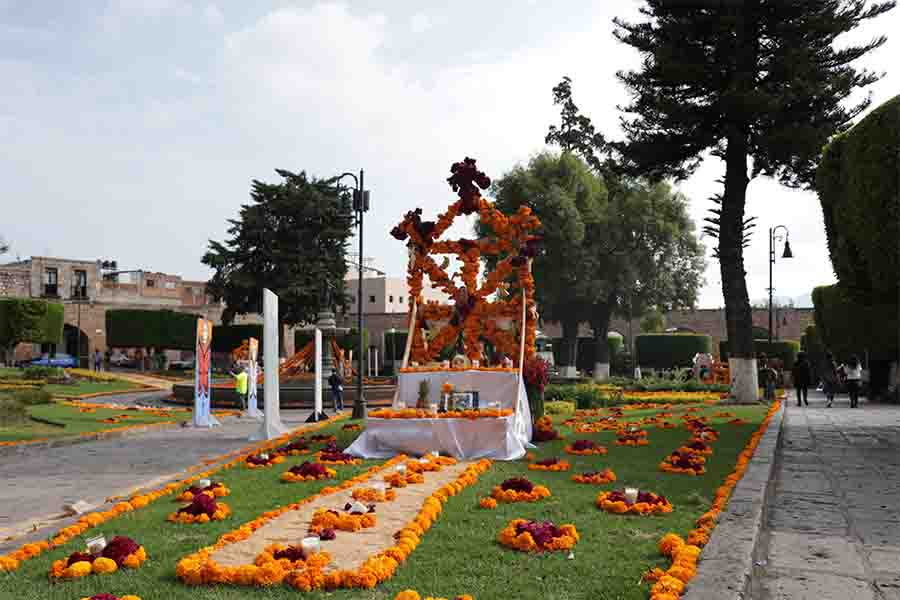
(76, 422)
(459, 554)
(83, 386)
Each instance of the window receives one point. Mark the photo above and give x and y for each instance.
(151, 283)
(372, 299)
(79, 284)
(51, 282)
(400, 300)
(391, 299)
(170, 285)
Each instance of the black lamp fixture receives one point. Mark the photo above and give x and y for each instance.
(773, 237)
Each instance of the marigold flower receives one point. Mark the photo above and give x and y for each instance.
(103, 566)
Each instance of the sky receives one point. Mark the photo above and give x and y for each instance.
(132, 128)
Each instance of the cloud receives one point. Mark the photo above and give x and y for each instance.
(213, 15)
(420, 23)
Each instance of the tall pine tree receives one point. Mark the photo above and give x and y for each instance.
(758, 79)
(291, 239)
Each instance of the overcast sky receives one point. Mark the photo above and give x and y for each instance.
(132, 128)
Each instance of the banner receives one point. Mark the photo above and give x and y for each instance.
(203, 376)
(253, 374)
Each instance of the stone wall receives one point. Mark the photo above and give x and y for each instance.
(15, 282)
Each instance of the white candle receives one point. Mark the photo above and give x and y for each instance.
(435, 453)
(264, 456)
(445, 364)
(401, 469)
(424, 460)
(95, 545)
(379, 487)
(476, 363)
(631, 495)
(310, 545)
(401, 404)
(433, 408)
(204, 483)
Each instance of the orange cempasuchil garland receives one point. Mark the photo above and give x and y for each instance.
(199, 569)
(549, 464)
(519, 489)
(670, 584)
(121, 552)
(585, 448)
(11, 562)
(414, 595)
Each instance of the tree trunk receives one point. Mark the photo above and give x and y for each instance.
(738, 315)
(600, 324)
(570, 347)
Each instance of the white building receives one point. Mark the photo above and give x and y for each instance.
(386, 295)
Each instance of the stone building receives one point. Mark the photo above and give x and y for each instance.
(87, 291)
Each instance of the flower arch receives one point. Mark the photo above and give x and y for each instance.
(502, 302)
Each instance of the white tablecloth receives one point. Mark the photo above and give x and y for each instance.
(505, 438)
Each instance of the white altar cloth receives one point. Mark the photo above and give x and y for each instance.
(505, 438)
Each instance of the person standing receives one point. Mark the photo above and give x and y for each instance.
(802, 377)
(240, 386)
(830, 379)
(337, 390)
(98, 360)
(854, 378)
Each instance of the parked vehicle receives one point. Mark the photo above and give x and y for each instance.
(181, 365)
(121, 360)
(58, 360)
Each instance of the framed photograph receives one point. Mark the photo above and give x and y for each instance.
(464, 401)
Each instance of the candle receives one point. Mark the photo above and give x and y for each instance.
(445, 364)
(401, 404)
(401, 469)
(379, 487)
(204, 483)
(310, 545)
(433, 408)
(476, 363)
(424, 460)
(435, 453)
(95, 545)
(631, 495)
(264, 456)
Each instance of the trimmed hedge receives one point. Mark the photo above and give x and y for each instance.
(848, 327)
(136, 328)
(669, 350)
(784, 350)
(586, 352)
(31, 320)
(859, 191)
(229, 337)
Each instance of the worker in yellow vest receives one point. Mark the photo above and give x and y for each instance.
(240, 386)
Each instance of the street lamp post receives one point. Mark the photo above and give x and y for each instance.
(393, 356)
(360, 206)
(787, 254)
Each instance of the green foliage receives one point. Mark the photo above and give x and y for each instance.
(12, 411)
(742, 80)
(849, 327)
(136, 328)
(559, 407)
(41, 372)
(291, 239)
(30, 320)
(32, 397)
(661, 384)
(860, 195)
(653, 322)
(784, 350)
(228, 337)
(670, 350)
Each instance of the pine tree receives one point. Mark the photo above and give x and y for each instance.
(758, 79)
(291, 239)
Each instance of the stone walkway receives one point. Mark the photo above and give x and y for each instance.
(37, 482)
(833, 517)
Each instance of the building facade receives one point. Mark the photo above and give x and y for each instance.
(87, 291)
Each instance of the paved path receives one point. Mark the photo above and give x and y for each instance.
(38, 481)
(833, 518)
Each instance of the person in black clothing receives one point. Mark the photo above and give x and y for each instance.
(337, 390)
(802, 378)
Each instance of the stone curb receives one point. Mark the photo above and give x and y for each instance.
(26, 446)
(726, 564)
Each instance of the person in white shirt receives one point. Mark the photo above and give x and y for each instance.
(854, 378)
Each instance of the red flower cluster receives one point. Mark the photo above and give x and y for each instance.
(292, 553)
(310, 469)
(202, 504)
(465, 176)
(121, 547)
(298, 446)
(537, 373)
(517, 484)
